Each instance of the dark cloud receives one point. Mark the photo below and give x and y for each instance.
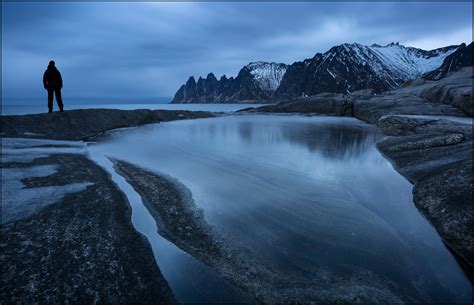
(149, 49)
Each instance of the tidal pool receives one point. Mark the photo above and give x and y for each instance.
(297, 194)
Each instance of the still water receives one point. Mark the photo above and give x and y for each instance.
(297, 194)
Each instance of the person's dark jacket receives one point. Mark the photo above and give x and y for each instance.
(52, 78)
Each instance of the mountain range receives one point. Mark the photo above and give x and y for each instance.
(342, 69)
(255, 82)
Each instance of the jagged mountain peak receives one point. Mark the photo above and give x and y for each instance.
(191, 80)
(259, 64)
(211, 76)
(256, 81)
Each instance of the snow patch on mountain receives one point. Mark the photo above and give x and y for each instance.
(392, 64)
(267, 75)
(413, 62)
(395, 61)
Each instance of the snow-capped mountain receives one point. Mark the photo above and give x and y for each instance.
(256, 81)
(351, 67)
(343, 69)
(267, 75)
(462, 57)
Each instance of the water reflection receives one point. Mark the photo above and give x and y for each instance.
(301, 195)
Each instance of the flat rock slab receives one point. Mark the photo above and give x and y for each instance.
(325, 103)
(399, 125)
(364, 107)
(80, 249)
(374, 108)
(451, 96)
(86, 123)
(455, 89)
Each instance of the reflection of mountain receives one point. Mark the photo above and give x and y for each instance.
(333, 141)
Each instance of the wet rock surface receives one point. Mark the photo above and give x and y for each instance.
(436, 155)
(83, 124)
(170, 203)
(81, 249)
(181, 222)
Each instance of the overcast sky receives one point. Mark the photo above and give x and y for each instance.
(144, 50)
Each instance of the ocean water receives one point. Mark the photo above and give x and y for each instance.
(298, 195)
(19, 109)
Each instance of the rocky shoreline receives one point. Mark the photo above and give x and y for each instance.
(82, 247)
(84, 124)
(68, 236)
(435, 155)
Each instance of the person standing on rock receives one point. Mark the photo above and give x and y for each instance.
(53, 82)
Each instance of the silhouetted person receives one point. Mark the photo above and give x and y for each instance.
(53, 82)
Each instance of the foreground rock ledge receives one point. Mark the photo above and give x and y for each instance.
(82, 249)
(83, 124)
(436, 156)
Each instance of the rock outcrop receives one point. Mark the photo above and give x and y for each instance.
(81, 249)
(436, 155)
(324, 103)
(451, 95)
(85, 123)
(369, 108)
(455, 89)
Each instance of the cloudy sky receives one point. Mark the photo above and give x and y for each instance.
(147, 50)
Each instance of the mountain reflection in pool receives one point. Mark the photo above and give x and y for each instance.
(301, 193)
